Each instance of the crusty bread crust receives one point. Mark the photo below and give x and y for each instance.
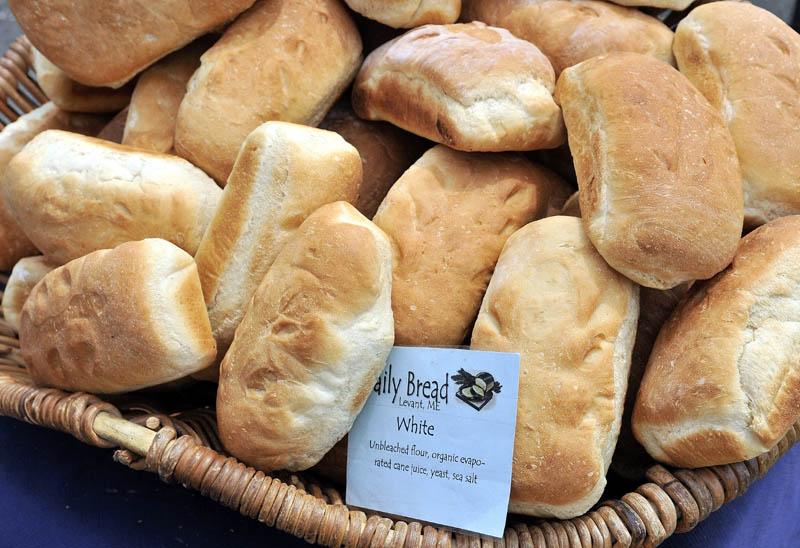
(314, 51)
(69, 95)
(117, 320)
(448, 217)
(467, 86)
(757, 93)
(15, 244)
(572, 318)
(723, 380)
(73, 195)
(25, 275)
(407, 14)
(571, 31)
(108, 43)
(312, 343)
(660, 188)
(283, 174)
(159, 90)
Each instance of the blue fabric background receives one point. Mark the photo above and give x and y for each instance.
(57, 492)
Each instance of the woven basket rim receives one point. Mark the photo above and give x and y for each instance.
(185, 448)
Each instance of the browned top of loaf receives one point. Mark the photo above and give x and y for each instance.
(724, 366)
(286, 60)
(386, 152)
(408, 13)
(468, 86)
(107, 43)
(448, 217)
(660, 189)
(117, 320)
(746, 62)
(569, 32)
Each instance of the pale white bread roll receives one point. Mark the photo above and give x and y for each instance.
(408, 13)
(313, 341)
(285, 60)
(723, 381)
(14, 244)
(468, 86)
(283, 174)
(68, 94)
(108, 43)
(24, 276)
(150, 123)
(572, 319)
(746, 62)
(571, 31)
(72, 195)
(660, 189)
(386, 152)
(448, 217)
(117, 320)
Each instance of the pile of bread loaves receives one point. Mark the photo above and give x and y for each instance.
(280, 285)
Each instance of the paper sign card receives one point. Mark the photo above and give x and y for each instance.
(435, 439)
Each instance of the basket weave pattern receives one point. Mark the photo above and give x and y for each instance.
(186, 449)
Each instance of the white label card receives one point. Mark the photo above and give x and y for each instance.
(435, 439)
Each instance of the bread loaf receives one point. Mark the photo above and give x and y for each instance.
(408, 13)
(572, 319)
(150, 123)
(757, 93)
(312, 343)
(470, 87)
(72, 195)
(314, 52)
(676, 5)
(283, 174)
(107, 43)
(660, 189)
(14, 244)
(723, 381)
(448, 217)
(386, 152)
(571, 31)
(117, 320)
(68, 94)
(25, 275)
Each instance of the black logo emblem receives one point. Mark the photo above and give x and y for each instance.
(476, 390)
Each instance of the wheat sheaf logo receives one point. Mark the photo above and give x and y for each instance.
(476, 390)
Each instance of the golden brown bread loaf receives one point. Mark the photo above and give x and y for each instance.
(723, 381)
(117, 320)
(70, 95)
(448, 217)
(72, 195)
(150, 123)
(660, 189)
(14, 244)
(283, 174)
(757, 93)
(571, 31)
(312, 343)
(572, 319)
(107, 43)
(408, 13)
(470, 87)
(314, 52)
(25, 275)
(677, 5)
(386, 152)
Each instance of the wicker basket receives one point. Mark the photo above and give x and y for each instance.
(184, 448)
